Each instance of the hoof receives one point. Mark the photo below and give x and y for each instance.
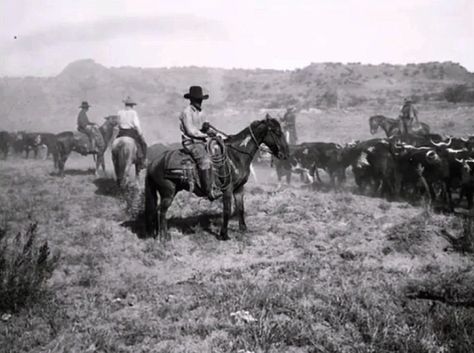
(223, 237)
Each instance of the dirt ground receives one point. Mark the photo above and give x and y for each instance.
(317, 271)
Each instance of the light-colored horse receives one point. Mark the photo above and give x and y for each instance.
(124, 156)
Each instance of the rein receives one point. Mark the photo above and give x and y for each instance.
(261, 148)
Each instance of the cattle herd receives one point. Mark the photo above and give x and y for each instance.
(412, 167)
(430, 166)
(23, 143)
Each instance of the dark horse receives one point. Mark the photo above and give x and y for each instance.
(392, 126)
(69, 141)
(233, 173)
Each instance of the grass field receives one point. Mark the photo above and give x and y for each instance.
(316, 272)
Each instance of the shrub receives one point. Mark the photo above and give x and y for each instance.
(25, 265)
(459, 93)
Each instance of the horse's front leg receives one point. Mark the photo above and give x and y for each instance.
(239, 207)
(227, 206)
(99, 162)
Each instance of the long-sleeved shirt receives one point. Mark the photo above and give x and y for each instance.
(289, 119)
(191, 120)
(408, 111)
(128, 119)
(82, 119)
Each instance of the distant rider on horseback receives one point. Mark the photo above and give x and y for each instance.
(289, 125)
(195, 130)
(85, 126)
(129, 126)
(408, 114)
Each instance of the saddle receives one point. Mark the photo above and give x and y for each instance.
(180, 165)
(83, 143)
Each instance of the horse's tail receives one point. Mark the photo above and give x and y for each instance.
(151, 207)
(119, 165)
(122, 156)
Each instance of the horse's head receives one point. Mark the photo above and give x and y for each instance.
(111, 120)
(374, 123)
(274, 138)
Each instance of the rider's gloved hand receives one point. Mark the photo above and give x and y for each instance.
(211, 133)
(205, 127)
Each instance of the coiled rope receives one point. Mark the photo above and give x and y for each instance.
(220, 163)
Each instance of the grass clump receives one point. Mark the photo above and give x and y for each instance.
(25, 266)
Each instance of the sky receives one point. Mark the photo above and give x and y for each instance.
(40, 37)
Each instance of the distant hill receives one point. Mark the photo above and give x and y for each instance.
(51, 103)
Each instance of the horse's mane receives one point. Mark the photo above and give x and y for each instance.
(379, 117)
(240, 135)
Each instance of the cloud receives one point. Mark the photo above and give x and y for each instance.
(160, 26)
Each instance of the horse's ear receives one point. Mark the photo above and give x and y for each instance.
(268, 116)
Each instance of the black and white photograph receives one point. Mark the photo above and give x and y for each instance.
(254, 176)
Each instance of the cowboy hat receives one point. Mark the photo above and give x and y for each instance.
(129, 101)
(84, 104)
(196, 92)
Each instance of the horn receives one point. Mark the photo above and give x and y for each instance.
(459, 160)
(440, 144)
(436, 144)
(464, 139)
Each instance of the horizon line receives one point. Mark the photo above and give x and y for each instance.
(239, 68)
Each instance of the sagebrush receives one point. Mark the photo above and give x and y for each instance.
(25, 265)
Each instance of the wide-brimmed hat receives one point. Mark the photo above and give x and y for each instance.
(408, 100)
(196, 92)
(129, 101)
(84, 105)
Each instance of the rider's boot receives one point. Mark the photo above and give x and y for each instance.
(143, 158)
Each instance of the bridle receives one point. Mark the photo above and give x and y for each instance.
(254, 139)
(264, 149)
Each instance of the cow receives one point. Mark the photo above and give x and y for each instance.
(432, 166)
(26, 142)
(311, 156)
(284, 168)
(49, 140)
(373, 165)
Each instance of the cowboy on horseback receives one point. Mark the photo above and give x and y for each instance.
(289, 125)
(129, 125)
(195, 131)
(408, 114)
(85, 126)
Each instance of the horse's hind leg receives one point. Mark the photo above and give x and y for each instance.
(151, 212)
(165, 203)
(166, 199)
